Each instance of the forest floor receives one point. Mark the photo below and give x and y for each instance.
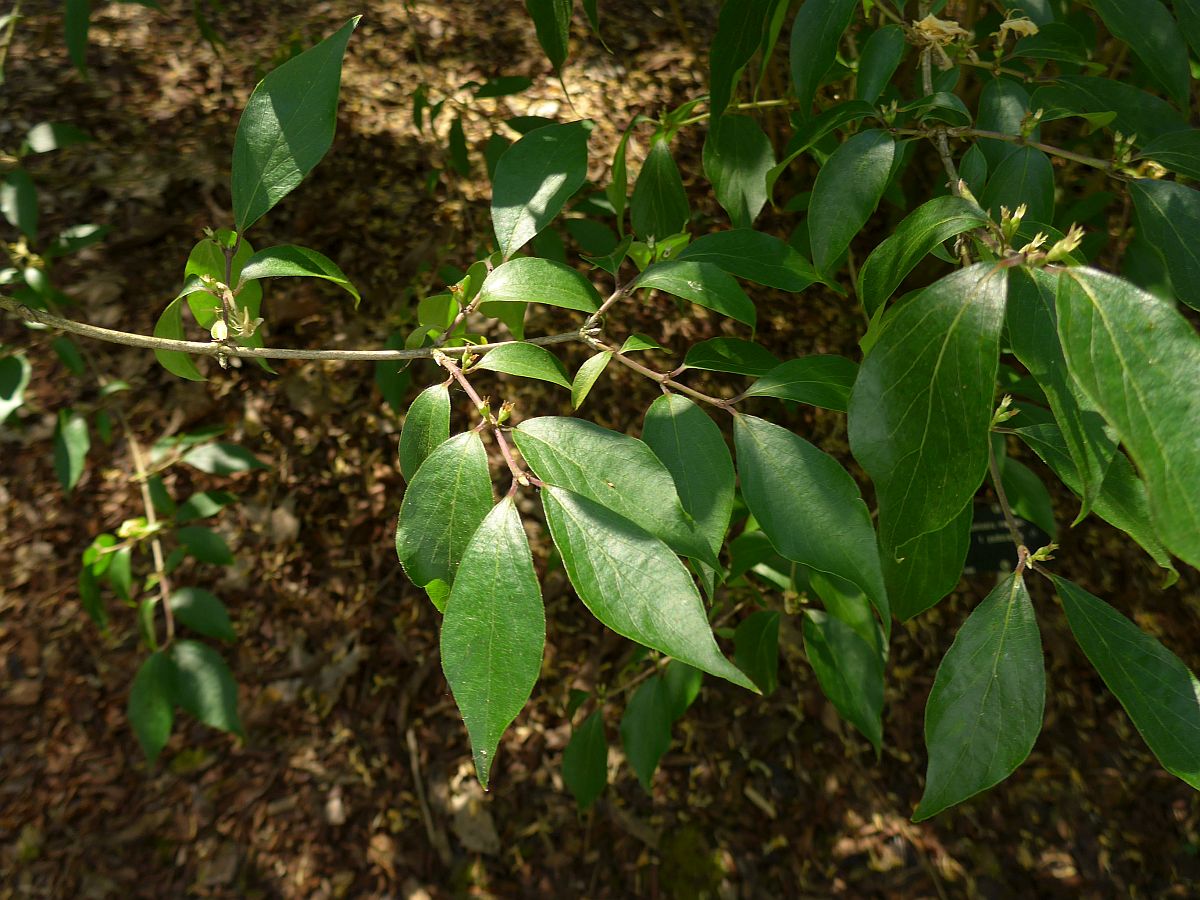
(355, 776)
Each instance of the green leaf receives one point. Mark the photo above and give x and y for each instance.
(940, 106)
(534, 179)
(1159, 692)
(47, 136)
(1033, 335)
(459, 160)
(585, 761)
(19, 202)
(525, 361)
(68, 354)
(816, 30)
(923, 571)
(737, 157)
(1027, 496)
(880, 58)
(754, 256)
(1003, 107)
(734, 355)
(587, 375)
(633, 583)
(921, 407)
(552, 21)
(290, 260)
(985, 710)
(682, 684)
(287, 127)
(849, 670)
(90, 599)
(494, 631)
(151, 710)
(756, 649)
(222, 459)
(846, 192)
(619, 472)
(1150, 31)
(1138, 360)
(925, 228)
(690, 445)
(701, 283)
(528, 279)
(170, 325)
(636, 342)
(204, 686)
(739, 33)
(1136, 111)
(71, 446)
(202, 612)
(1122, 501)
(447, 499)
(646, 729)
(1188, 13)
(808, 505)
(1023, 176)
(811, 133)
(1055, 41)
(426, 426)
(504, 86)
(14, 378)
(659, 206)
(1179, 151)
(201, 505)
(205, 544)
(821, 380)
(120, 573)
(1168, 215)
(76, 19)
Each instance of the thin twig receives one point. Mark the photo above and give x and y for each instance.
(663, 378)
(1010, 520)
(228, 348)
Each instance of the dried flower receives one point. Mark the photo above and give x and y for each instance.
(939, 31)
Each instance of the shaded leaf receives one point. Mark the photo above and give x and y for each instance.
(880, 58)
(1150, 31)
(1168, 215)
(646, 729)
(552, 21)
(756, 649)
(202, 612)
(739, 33)
(734, 355)
(846, 192)
(204, 686)
(222, 459)
(849, 670)
(821, 380)
(659, 206)
(816, 30)
(754, 256)
(151, 709)
(923, 571)
(71, 446)
(205, 544)
(585, 761)
(426, 427)
(737, 157)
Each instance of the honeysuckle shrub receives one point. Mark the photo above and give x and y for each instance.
(1005, 192)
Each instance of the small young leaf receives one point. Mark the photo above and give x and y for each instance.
(525, 361)
(205, 544)
(493, 632)
(922, 404)
(614, 470)
(737, 157)
(426, 426)
(756, 649)
(200, 505)
(646, 729)
(754, 256)
(586, 377)
(703, 284)
(151, 708)
(1137, 360)
(222, 459)
(71, 445)
(846, 192)
(289, 260)
(849, 670)
(809, 506)
(287, 127)
(528, 279)
(821, 380)
(534, 179)
(14, 378)
(637, 342)
(985, 710)
(925, 228)
(633, 583)
(202, 612)
(204, 686)
(447, 499)
(659, 207)
(1158, 691)
(585, 761)
(691, 446)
